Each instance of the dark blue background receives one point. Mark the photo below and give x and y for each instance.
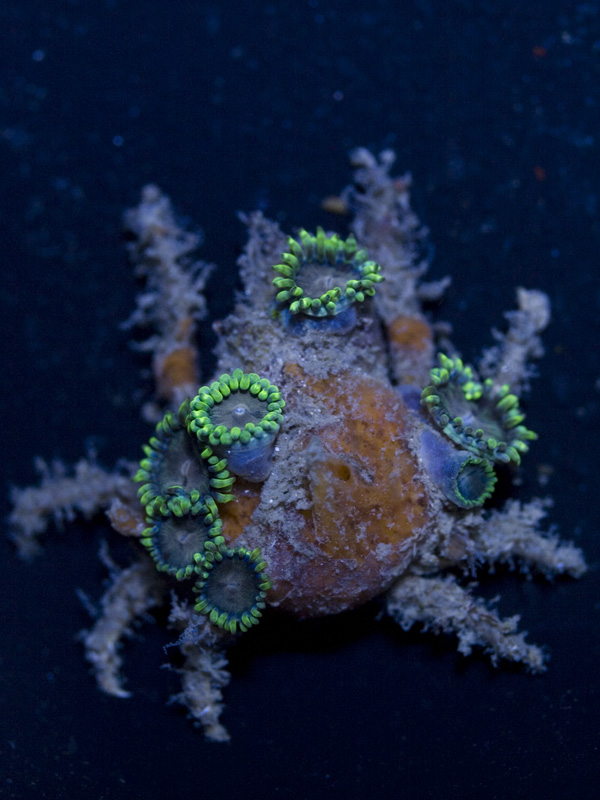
(494, 108)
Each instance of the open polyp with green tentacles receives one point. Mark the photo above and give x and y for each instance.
(480, 416)
(322, 276)
(177, 474)
(238, 417)
(232, 587)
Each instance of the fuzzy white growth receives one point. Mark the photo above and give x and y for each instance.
(173, 300)
(511, 536)
(203, 676)
(393, 235)
(266, 242)
(508, 361)
(60, 495)
(388, 228)
(204, 673)
(131, 593)
(441, 605)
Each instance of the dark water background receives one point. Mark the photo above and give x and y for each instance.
(495, 109)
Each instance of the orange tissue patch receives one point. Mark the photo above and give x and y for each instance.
(367, 501)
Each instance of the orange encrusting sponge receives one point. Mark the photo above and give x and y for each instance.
(367, 500)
